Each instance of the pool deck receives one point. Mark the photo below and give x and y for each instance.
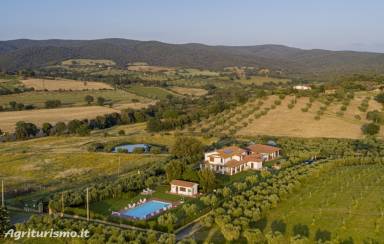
(173, 204)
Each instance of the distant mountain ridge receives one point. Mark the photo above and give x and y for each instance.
(25, 53)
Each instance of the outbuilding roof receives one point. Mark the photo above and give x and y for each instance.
(183, 183)
(261, 148)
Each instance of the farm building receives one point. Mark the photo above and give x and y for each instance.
(186, 188)
(232, 160)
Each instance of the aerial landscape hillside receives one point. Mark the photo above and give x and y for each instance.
(204, 136)
(22, 54)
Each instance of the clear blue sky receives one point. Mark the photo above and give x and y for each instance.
(328, 24)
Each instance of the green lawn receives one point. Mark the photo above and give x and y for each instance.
(71, 98)
(347, 203)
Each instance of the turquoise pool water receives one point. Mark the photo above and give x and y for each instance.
(131, 147)
(145, 209)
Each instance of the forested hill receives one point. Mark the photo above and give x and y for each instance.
(23, 53)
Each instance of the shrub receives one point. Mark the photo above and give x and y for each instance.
(52, 103)
(317, 117)
(304, 110)
(290, 106)
(370, 129)
(277, 102)
(343, 108)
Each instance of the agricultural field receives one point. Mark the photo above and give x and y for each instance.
(260, 80)
(76, 98)
(197, 72)
(55, 162)
(189, 91)
(63, 84)
(297, 117)
(8, 120)
(66, 159)
(150, 92)
(345, 203)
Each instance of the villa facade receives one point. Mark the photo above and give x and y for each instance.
(232, 160)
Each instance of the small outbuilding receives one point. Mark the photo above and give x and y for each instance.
(186, 188)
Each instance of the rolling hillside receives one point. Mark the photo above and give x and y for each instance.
(293, 62)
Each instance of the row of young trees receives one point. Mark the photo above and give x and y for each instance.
(239, 208)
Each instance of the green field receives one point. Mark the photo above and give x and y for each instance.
(150, 92)
(72, 98)
(346, 203)
(11, 84)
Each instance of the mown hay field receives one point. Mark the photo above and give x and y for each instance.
(8, 120)
(63, 84)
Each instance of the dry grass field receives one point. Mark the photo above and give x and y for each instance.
(62, 84)
(294, 122)
(60, 162)
(189, 91)
(38, 117)
(273, 117)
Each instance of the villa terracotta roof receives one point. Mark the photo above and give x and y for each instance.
(253, 158)
(227, 152)
(183, 183)
(260, 148)
(234, 163)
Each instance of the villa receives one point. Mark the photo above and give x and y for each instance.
(232, 160)
(186, 188)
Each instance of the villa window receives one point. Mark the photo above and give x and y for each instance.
(182, 189)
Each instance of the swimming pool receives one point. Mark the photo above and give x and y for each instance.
(144, 210)
(130, 147)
